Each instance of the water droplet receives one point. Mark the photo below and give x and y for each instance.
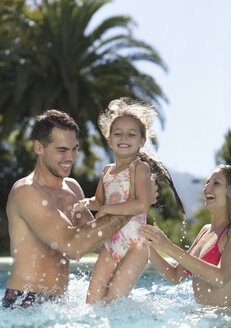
(15, 251)
(139, 245)
(62, 261)
(100, 233)
(54, 245)
(68, 245)
(93, 225)
(44, 275)
(44, 202)
(209, 290)
(78, 216)
(129, 271)
(88, 236)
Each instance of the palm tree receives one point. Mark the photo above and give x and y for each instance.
(224, 154)
(58, 61)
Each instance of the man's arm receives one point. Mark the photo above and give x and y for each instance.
(53, 228)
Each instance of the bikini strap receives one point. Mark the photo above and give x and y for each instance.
(222, 232)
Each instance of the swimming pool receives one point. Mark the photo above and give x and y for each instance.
(152, 303)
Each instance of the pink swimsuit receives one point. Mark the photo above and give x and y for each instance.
(213, 254)
(116, 189)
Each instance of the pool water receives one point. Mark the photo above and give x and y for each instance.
(152, 303)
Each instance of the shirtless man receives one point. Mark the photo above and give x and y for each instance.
(44, 231)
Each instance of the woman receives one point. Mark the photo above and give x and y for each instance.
(208, 261)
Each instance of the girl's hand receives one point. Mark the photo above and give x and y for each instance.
(155, 237)
(81, 205)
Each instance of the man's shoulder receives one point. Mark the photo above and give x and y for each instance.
(23, 183)
(71, 182)
(74, 185)
(23, 187)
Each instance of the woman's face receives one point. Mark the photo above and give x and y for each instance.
(215, 191)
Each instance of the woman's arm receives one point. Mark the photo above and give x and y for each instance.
(217, 276)
(174, 274)
(143, 199)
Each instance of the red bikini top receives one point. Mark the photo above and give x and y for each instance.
(213, 254)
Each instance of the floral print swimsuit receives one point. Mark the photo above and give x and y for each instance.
(116, 189)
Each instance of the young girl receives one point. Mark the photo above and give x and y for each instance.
(126, 125)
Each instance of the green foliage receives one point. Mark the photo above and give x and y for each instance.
(202, 217)
(224, 154)
(52, 59)
(16, 160)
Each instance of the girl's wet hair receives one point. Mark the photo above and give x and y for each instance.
(226, 170)
(127, 107)
(162, 176)
(143, 113)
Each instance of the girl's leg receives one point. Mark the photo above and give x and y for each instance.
(128, 272)
(101, 276)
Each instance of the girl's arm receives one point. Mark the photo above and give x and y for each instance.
(94, 203)
(217, 276)
(143, 195)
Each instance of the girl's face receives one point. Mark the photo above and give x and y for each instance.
(125, 138)
(215, 191)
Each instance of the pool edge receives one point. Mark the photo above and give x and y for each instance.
(85, 263)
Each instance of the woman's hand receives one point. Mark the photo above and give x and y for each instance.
(154, 189)
(155, 237)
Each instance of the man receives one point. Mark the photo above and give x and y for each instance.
(44, 233)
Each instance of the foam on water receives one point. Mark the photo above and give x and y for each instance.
(152, 303)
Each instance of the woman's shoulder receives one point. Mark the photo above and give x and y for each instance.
(206, 227)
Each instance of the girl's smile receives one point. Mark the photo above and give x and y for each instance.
(126, 136)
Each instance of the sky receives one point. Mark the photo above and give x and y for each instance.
(193, 37)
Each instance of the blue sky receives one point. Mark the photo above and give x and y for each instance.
(193, 37)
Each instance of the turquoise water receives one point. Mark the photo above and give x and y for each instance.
(152, 303)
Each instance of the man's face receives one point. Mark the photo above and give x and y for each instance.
(59, 156)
